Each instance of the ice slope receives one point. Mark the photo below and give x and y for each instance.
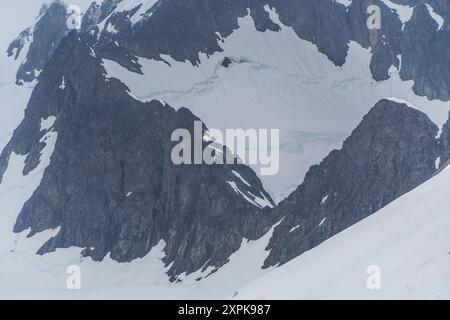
(408, 240)
(278, 81)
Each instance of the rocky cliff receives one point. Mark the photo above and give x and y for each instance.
(391, 152)
(111, 186)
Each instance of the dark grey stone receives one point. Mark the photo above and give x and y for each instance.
(391, 152)
(110, 145)
(49, 30)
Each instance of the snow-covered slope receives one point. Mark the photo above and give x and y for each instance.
(408, 241)
(16, 16)
(277, 81)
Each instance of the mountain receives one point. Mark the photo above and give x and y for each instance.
(392, 151)
(414, 31)
(41, 39)
(444, 146)
(86, 177)
(406, 244)
(281, 75)
(124, 194)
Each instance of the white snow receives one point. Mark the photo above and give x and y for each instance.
(12, 109)
(240, 177)
(262, 201)
(63, 84)
(277, 82)
(47, 123)
(408, 240)
(27, 276)
(346, 3)
(146, 5)
(127, 5)
(436, 17)
(16, 251)
(404, 12)
(322, 221)
(402, 101)
(111, 28)
(437, 163)
(16, 16)
(259, 201)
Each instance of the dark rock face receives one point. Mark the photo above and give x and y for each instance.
(320, 22)
(425, 59)
(173, 29)
(444, 145)
(111, 185)
(47, 34)
(391, 152)
(331, 27)
(15, 48)
(180, 28)
(185, 28)
(424, 56)
(96, 13)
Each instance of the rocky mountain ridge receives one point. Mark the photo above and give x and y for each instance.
(111, 187)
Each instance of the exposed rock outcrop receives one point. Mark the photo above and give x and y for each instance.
(444, 146)
(44, 37)
(111, 184)
(391, 152)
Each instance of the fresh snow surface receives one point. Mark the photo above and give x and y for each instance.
(278, 81)
(408, 241)
(15, 16)
(14, 100)
(346, 3)
(126, 5)
(46, 124)
(439, 20)
(404, 12)
(145, 6)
